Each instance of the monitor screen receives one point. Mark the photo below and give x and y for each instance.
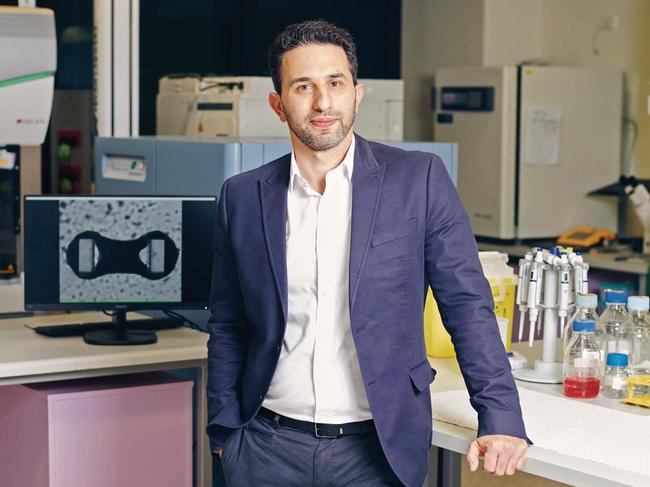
(108, 252)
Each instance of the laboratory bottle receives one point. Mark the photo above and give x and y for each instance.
(581, 367)
(614, 383)
(612, 323)
(640, 329)
(585, 310)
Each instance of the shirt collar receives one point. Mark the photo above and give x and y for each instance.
(347, 165)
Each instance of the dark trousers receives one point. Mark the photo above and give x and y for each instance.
(264, 453)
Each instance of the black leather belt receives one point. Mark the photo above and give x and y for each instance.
(320, 430)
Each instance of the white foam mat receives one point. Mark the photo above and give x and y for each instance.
(570, 427)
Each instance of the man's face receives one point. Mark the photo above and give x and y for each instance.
(319, 99)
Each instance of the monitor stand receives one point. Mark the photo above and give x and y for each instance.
(119, 335)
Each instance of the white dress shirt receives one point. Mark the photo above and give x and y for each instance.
(318, 377)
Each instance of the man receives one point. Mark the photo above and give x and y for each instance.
(317, 365)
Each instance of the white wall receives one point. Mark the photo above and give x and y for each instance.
(512, 31)
(569, 37)
(435, 34)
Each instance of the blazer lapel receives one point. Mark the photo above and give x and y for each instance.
(367, 177)
(273, 194)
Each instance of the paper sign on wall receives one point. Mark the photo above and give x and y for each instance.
(543, 137)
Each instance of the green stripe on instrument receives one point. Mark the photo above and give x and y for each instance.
(26, 78)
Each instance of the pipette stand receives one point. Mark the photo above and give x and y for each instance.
(546, 370)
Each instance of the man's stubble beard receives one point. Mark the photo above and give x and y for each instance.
(324, 141)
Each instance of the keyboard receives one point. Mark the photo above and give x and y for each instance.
(79, 329)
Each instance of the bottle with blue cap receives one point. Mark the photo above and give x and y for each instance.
(613, 322)
(581, 366)
(585, 310)
(614, 384)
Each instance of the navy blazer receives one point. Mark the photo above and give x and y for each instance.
(408, 231)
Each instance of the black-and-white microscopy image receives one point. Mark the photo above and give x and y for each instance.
(120, 250)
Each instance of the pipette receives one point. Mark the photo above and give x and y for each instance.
(585, 280)
(522, 290)
(534, 294)
(565, 291)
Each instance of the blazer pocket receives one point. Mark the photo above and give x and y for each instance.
(422, 375)
(384, 236)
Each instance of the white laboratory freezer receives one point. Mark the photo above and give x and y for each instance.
(533, 141)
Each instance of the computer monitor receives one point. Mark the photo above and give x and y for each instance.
(118, 253)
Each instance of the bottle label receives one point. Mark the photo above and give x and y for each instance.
(585, 362)
(620, 346)
(619, 383)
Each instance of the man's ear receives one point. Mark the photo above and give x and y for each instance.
(360, 89)
(275, 102)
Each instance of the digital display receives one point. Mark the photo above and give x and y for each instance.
(476, 99)
(90, 252)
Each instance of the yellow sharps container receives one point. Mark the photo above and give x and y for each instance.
(503, 283)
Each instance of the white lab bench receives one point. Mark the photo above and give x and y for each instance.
(453, 441)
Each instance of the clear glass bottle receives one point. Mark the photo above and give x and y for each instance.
(614, 384)
(639, 324)
(585, 310)
(581, 367)
(617, 337)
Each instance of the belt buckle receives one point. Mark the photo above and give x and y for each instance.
(323, 436)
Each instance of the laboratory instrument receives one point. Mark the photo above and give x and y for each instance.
(199, 166)
(539, 138)
(27, 68)
(585, 237)
(238, 106)
(638, 194)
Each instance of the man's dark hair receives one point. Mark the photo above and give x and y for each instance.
(310, 32)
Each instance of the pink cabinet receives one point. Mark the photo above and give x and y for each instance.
(119, 431)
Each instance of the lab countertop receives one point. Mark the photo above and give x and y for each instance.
(26, 356)
(541, 462)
